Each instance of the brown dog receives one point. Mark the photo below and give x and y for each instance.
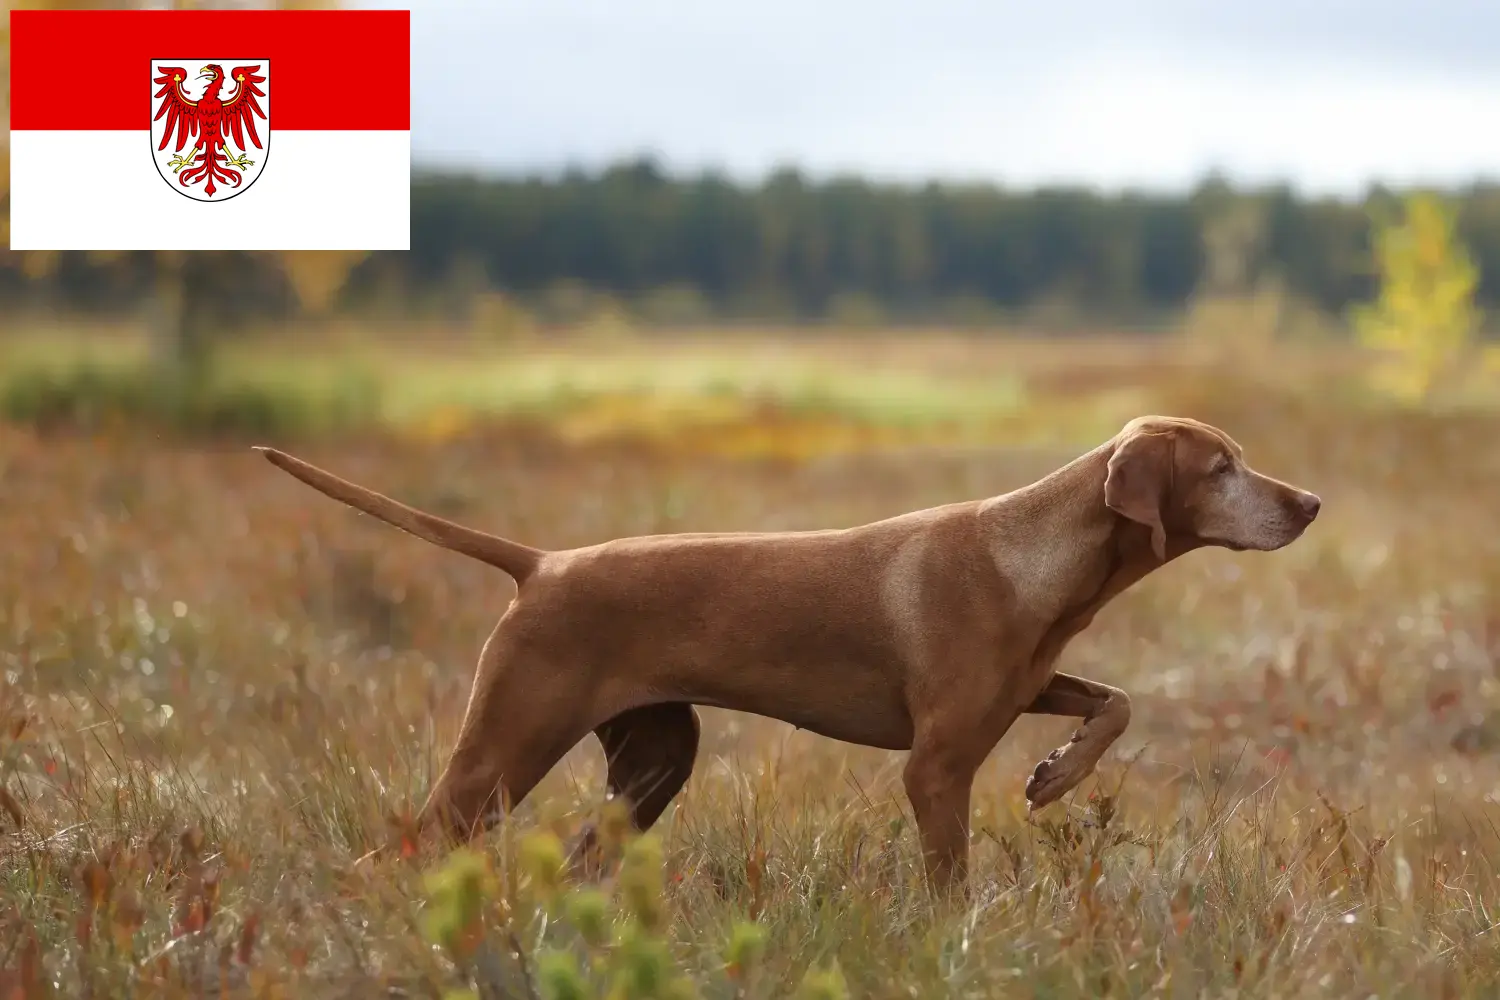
(930, 631)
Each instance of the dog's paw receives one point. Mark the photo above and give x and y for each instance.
(1053, 778)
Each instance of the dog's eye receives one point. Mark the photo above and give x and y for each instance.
(1222, 467)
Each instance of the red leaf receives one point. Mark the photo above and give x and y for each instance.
(1275, 684)
(1443, 701)
(248, 934)
(96, 882)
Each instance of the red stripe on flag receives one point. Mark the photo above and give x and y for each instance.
(333, 70)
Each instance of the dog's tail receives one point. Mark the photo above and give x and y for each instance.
(520, 561)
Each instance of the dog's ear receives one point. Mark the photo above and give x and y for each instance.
(1139, 482)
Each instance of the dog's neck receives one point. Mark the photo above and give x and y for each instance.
(1060, 548)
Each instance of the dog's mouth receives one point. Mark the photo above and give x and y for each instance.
(1280, 539)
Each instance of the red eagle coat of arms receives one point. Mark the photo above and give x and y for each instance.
(208, 119)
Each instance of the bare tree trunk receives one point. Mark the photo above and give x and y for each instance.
(184, 314)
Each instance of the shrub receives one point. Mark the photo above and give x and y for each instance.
(592, 944)
(93, 397)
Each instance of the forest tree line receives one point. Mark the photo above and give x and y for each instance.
(791, 248)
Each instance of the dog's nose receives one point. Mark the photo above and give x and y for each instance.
(1310, 504)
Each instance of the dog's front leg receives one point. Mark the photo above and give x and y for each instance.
(1105, 711)
(939, 778)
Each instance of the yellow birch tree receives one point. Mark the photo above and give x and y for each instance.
(1424, 320)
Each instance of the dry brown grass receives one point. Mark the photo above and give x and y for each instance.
(218, 687)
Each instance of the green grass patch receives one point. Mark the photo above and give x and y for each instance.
(289, 391)
(94, 396)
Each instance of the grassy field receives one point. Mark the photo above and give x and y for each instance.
(221, 690)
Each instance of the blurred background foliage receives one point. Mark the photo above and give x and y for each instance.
(684, 251)
(635, 245)
(634, 250)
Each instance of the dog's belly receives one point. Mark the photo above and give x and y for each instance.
(883, 734)
(828, 677)
(873, 721)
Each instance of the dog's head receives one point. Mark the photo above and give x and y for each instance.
(1188, 482)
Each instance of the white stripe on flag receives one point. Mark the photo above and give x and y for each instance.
(332, 190)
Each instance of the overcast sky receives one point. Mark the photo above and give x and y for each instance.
(1328, 94)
